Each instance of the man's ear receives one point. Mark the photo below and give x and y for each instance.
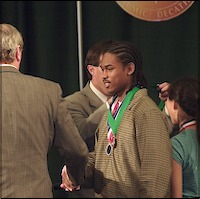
(18, 53)
(176, 105)
(131, 68)
(90, 69)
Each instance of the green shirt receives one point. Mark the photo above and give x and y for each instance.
(185, 152)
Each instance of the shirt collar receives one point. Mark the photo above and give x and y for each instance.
(98, 93)
(8, 65)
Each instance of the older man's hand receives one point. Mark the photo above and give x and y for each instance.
(67, 184)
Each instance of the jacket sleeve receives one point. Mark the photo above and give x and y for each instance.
(69, 144)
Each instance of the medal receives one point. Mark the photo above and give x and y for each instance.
(109, 149)
(111, 144)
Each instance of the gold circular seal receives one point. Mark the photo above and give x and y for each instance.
(155, 10)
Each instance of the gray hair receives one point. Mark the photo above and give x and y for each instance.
(10, 38)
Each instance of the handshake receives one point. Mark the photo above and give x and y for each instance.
(67, 184)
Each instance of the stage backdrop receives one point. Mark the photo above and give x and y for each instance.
(169, 48)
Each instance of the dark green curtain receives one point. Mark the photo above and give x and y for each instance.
(50, 35)
(49, 28)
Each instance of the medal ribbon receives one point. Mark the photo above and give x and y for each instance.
(187, 124)
(114, 123)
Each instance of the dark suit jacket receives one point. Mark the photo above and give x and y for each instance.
(87, 110)
(33, 119)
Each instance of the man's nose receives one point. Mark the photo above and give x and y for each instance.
(104, 73)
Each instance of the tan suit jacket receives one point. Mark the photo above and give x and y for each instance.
(33, 120)
(87, 110)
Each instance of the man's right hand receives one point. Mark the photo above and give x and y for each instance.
(163, 90)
